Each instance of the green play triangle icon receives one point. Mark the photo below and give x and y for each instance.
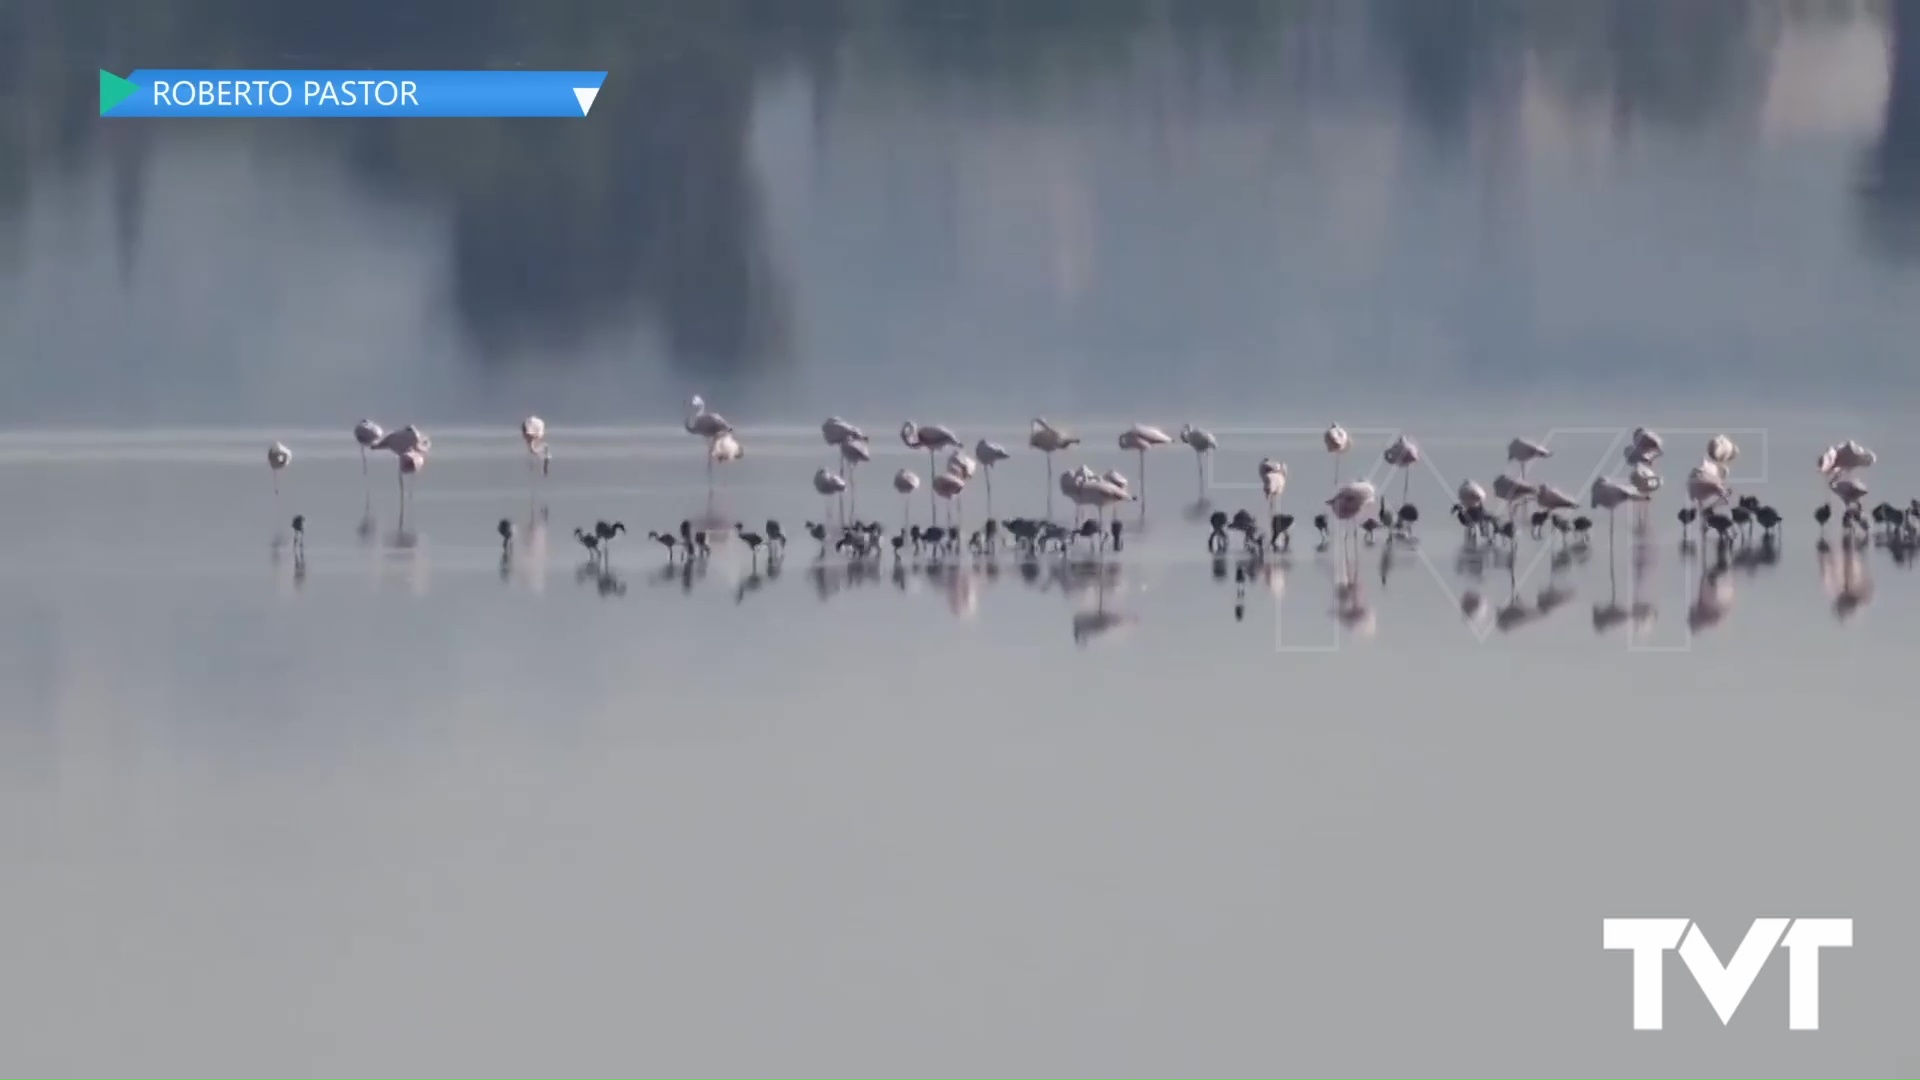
(114, 90)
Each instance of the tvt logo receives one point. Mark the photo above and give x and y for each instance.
(1726, 985)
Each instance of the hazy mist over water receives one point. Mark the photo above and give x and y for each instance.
(402, 805)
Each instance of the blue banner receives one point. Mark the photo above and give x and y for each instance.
(349, 93)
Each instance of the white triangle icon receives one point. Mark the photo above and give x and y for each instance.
(586, 94)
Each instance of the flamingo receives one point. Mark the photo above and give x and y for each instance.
(1644, 481)
(829, 485)
(1850, 456)
(906, 484)
(1047, 439)
(1550, 498)
(949, 485)
(989, 454)
(1470, 495)
(960, 465)
(1512, 492)
(1337, 442)
(533, 432)
(1140, 438)
(854, 453)
(1851, 491)
(723, 450)
(1608, 494)
(1645, 447)
(1103, 492)
(411, 463)
(1350, 501)
(931, 438)
(1070, 484)
(1203, 443)
(709, 426)
(1707, 483)
(838, 432)
(1721, 451)
(1402, 453)
(366, 433)
(277, 457)
(1273, 481)
(403, 440)
(1525, 451)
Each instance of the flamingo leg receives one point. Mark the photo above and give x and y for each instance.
(1406, 477)
(1049, 457)
(363, 461)
(1143, 481)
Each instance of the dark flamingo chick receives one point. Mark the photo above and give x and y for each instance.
(606, 533)
(299, 534)
(505, 529)
(1823, 515)
(1320, 523)
(665, 541)
(1281, 535)
(1720, 523)
(1217, 539)
(1115, 527)
(754, 542)
(590, 541)
(775, 538)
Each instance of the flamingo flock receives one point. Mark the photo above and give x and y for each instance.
(1354, 512)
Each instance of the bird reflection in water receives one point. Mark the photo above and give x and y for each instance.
(749, 584)
(1843, 577)
(1351, 609)
(682, 572)
(602, 577)
(369, 527)
(1091, 625)
(1514, 614)
(1475, 612)
(1751, 559)
(406, 552)
(1640, 613)
(1714, 597)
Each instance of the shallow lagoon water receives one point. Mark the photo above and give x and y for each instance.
(403, 811)
(397, 815)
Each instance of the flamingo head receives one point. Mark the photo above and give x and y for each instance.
(910, 434)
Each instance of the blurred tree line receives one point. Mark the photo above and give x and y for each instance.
(653, 203)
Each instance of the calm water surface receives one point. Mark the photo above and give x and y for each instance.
(396, 808)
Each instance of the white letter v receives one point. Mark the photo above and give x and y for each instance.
(1727, 986)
